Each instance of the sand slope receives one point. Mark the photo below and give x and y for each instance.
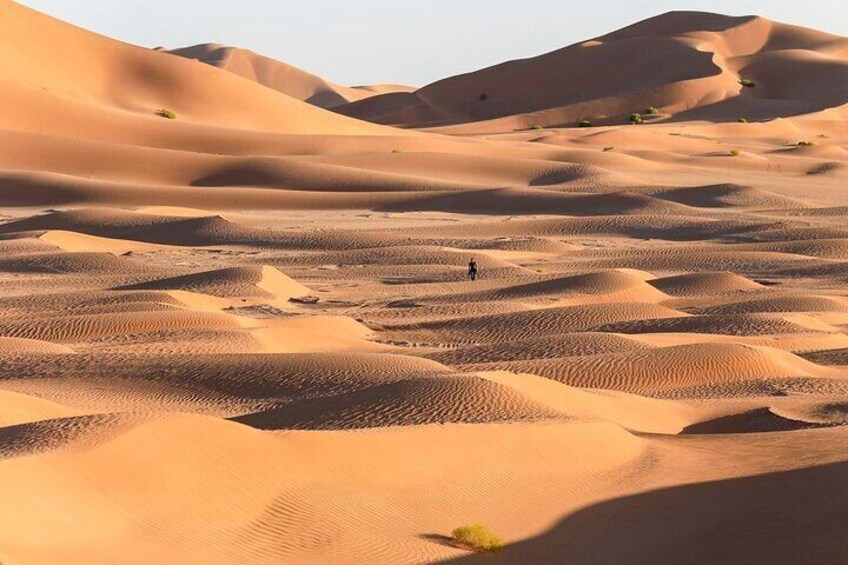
(80, 76)
(681, 62)
(247, 335)
(282, 77)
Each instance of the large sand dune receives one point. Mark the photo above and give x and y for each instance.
(682, 63)
(246, 335)
(284, 78)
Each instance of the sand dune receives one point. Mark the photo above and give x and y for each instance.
(678, 371)
(250, 281)
(704, 284)
(682, 63)
(561, 345)
(247, 334)
(535, 323)
(82, 74)
(282, 77)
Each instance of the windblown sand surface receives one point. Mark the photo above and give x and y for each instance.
(245, 336)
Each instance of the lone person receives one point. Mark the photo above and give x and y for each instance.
(472, 270)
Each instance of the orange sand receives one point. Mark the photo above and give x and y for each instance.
(245, 335)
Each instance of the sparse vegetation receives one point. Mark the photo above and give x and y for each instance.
(397, 150)
(806, 144)
(652, 111)
(743, 120)
(165, 113)
(584, 124)
(538, 126)
(735, 153)
(608, 148)
(477, 537)
(747, 83)
(635, 118)
(483, 97)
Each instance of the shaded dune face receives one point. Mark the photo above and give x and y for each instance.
(248, 334)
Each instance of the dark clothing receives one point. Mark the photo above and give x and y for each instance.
(472, 270)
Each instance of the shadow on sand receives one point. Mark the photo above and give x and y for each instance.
(787, 518)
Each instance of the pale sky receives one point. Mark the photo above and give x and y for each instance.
(400, 41)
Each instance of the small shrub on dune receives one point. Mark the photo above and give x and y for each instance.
(806, 144)
(608, 148)
(747, 83)
(735, 153)
(635, 118)
(584, 124)
(477, 537)
(167, 114)
(743, 120)
(483, 97)
(538, 126)
(652, 111)
(397, 150)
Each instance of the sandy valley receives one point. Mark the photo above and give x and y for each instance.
(245, 335)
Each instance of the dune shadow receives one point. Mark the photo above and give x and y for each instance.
(782, 518)
(759, 420)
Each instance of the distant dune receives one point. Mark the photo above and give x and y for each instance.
(283, 77)
(686, 64)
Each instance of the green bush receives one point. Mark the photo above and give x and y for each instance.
(743, 120)
(747, 83)
(652, 111)
(168, 114)
(806, 144)
(635, 118)
(735, 153)
(483, 97)
(584, 124)
(477, 537)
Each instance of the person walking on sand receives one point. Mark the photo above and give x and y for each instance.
(472, 269)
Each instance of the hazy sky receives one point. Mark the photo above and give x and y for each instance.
(402, 41)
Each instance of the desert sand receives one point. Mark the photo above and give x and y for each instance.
(282, 77)
(245, 335)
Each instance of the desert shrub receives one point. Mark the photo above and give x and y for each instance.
(477, 537)
(538, 126)
(483, 97)
(584, 124)
(397, 150)
(805, 144)
(635, 118)
(735, 153)
(168, 114)
(608, 148)
(743, 120)
(652, 111)
(747, 83)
